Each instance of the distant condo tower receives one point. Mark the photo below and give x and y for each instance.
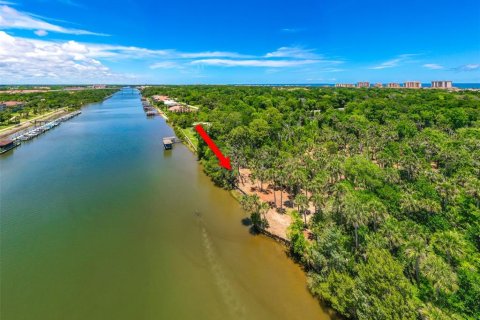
(442, 84)
(393, 85)
(378, 85)
(363, 84)
(413, 84)
(344, 85)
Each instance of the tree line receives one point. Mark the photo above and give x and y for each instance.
(393, 175)
(38, 103)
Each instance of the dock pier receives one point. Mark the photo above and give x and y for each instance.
(169, 141)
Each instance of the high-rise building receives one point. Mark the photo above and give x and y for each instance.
(393, 85)
(413, 84)
(364, 84)
(344, 85)
(443, 84)
(378, 85)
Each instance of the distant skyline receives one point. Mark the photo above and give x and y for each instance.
(238, 42)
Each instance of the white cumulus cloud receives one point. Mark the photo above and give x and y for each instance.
(27, 59)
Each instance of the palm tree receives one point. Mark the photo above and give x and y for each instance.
(450, 243)
(392, 233)
(439, 274)
(263, 209)
(447, 192)
(318, 200)
(472, 188)
(416, 250)
(340, 192)
(377, 210)
(355, 213)
(271, 175)
(252, 204)
(301, 201)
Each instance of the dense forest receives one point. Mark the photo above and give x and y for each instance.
(41, 102)
(393, 174)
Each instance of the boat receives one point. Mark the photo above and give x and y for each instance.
(7, 145)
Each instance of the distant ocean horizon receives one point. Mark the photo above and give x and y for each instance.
(424, 85)
(473, 85)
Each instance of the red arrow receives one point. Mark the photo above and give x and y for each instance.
(224, 161)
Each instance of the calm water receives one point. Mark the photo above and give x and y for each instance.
(97, 222)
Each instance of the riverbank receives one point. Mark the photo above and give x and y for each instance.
(94, 212)
(50, 116)
(278, 221)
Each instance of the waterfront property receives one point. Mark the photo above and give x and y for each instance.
(443, 84)
(393, 85)
(413, 84)
(364, 84)
(13, 105)
(344, 85)
(100, 213)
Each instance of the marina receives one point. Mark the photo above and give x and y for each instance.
(41, 127)
(150, 110)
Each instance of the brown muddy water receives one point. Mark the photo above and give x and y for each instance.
(97, 221)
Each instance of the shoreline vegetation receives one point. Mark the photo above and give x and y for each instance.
(42, 105)
(375, 191)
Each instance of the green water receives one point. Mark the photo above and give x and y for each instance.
(97, 222)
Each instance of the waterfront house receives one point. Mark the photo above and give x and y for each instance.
(14, 105)
(178, 108)
(159, 98)
(170, 103)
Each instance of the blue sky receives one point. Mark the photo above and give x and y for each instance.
(215, 42)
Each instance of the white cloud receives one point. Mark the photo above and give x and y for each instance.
(212, 54)
(165, 65)
(292, 30)
(33, 59)
(468, 67)
(293, 52)
(10, 18)
(253, 63)
(433, 66)
(41, 33)
(26, 59)
(393, 62)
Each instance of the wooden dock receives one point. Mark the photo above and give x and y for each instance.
(168, 142)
